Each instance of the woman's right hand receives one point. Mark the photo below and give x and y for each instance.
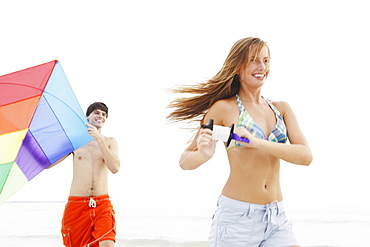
(205, 143)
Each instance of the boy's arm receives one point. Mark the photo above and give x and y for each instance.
(59, 161)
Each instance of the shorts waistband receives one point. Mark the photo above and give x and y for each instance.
(87, 198)
(240, 206)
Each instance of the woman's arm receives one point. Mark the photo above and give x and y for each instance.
(294, 153)
(203, 146)
(199, 151)
(297, 153)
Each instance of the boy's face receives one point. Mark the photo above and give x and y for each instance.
(97, 118)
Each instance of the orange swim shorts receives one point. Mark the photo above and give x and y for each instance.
(88, 221)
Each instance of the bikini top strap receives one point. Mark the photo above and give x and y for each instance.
(241, 106)
(240, 103)
(272, 107)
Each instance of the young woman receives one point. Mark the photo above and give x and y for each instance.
(250, 208)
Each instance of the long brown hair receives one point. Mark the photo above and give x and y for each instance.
(223, 85)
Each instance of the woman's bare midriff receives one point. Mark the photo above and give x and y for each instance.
(254, 177)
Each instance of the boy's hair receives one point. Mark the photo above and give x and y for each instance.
(97, 106)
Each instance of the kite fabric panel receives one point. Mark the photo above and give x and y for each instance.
(41, 122)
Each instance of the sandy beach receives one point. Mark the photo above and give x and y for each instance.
(30, 224)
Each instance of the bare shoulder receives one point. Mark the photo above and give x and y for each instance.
(282, 106)
(110, 141)
(223, 104)
(223, 110)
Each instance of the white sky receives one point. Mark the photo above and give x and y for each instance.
(127, 53)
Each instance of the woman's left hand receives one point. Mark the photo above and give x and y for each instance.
(243, 132)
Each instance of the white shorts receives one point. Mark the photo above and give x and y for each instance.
(237, 223)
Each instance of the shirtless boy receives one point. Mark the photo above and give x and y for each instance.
(88, 218)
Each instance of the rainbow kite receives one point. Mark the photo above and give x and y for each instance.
(41, 121)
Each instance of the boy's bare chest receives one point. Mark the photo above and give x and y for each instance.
(89, 153)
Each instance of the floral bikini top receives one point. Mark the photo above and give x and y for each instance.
(279, 134)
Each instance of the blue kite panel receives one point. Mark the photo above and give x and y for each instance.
(49, 134)
(66, 108)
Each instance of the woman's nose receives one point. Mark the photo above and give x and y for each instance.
(261, 65)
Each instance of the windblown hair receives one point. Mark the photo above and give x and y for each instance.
(223, 85)
(97, 106)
